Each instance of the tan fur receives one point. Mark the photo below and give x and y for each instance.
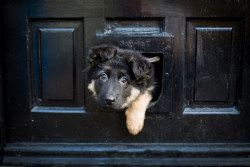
(135, 114)
(91, 87)
(134, 94)
(107, 67)
(151, 88)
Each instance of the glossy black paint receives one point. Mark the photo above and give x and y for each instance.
(16, 81)
(1, 106)
(148, 154)
(167, 28)
(213, 62)
(56, 49)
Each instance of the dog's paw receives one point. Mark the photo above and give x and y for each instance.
(134, 122)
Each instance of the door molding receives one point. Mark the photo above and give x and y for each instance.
(174, 154)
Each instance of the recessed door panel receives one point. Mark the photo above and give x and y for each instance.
(57, 62)
(213, 64)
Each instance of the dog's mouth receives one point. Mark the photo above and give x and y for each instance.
(112, 106)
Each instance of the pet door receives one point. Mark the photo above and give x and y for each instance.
(148, 37)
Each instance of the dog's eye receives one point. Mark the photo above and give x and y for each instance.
(103, 77)
(123, 80)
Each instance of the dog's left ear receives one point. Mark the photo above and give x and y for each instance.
(141, 68)
(101, 53)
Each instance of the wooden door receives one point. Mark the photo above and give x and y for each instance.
(201, 112)
(1, 112)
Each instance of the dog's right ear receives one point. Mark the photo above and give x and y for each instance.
(141, 68)
(101, 53)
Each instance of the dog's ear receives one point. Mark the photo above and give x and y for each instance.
(101, 53)
(141, 68)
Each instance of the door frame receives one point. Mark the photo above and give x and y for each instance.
(131, 154)
(1, 107)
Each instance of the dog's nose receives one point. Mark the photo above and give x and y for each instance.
(110, 99)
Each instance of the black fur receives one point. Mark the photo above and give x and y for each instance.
(116, 72)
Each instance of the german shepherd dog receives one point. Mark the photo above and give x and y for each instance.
(121, 79)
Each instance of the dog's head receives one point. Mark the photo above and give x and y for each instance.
(117, 77)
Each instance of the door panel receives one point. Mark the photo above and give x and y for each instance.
(55, 49)
(53, 88)
(213, 64)
(206, 56)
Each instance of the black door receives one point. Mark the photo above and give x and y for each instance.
(1, 111)
(200, 115)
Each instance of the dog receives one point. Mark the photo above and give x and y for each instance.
(122, 79)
